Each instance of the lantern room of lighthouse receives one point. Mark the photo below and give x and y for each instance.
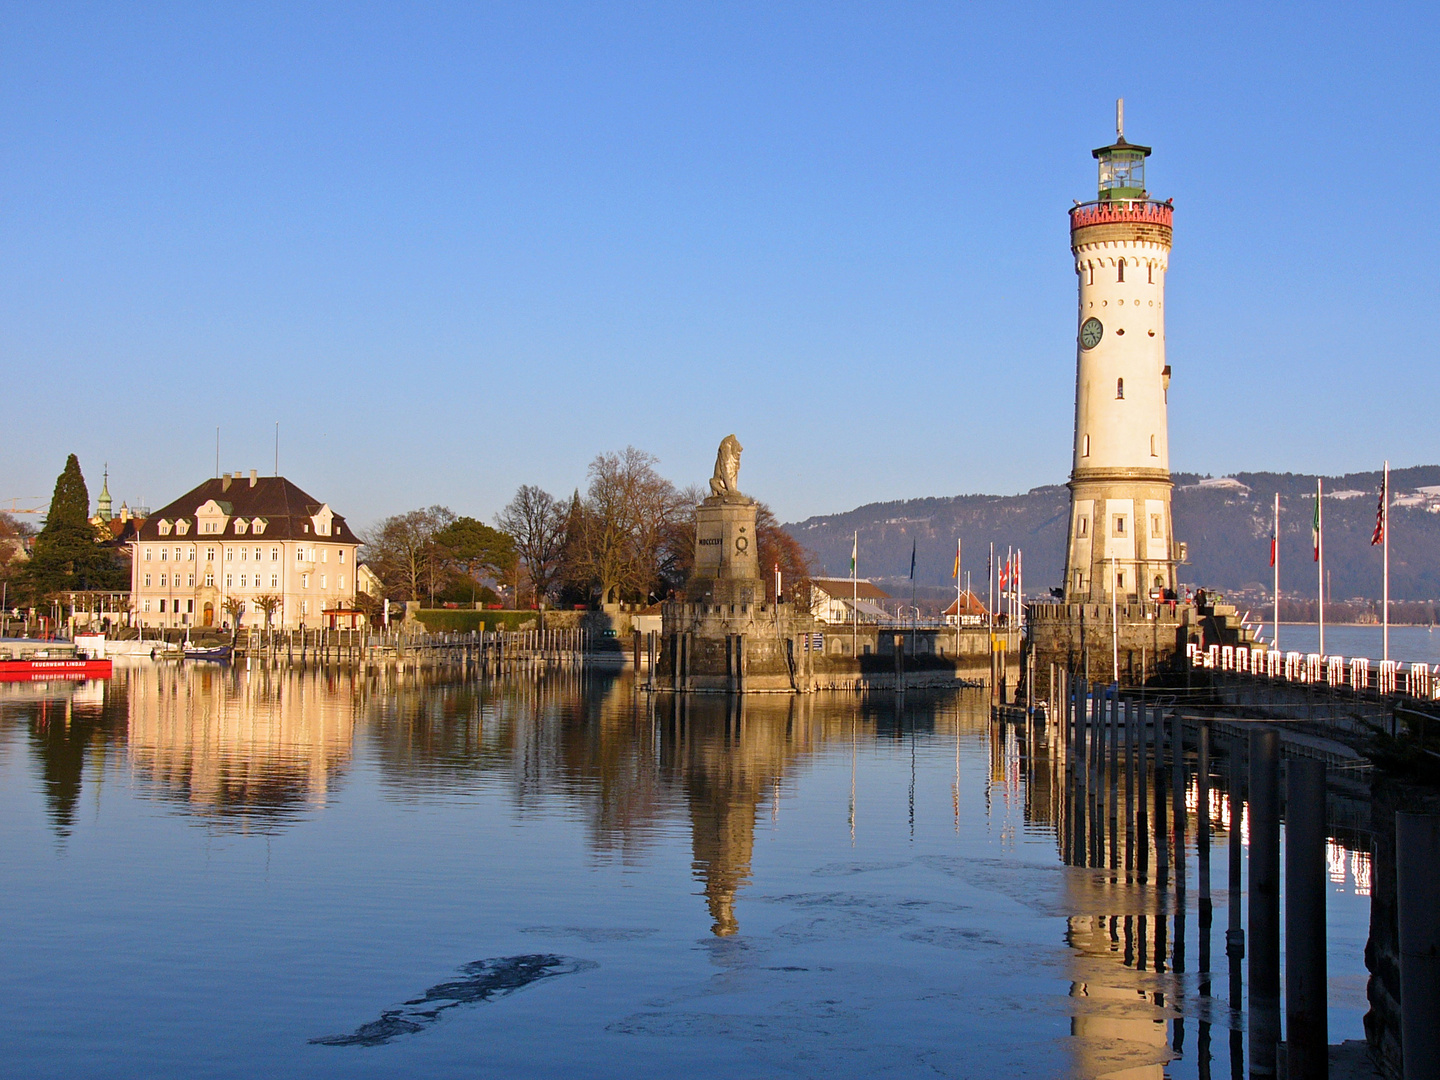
(1120, 542)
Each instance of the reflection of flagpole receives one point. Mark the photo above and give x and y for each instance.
(852, 779)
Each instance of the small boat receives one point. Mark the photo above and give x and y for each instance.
(218, 654)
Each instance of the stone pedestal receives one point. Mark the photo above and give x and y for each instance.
(727, 566)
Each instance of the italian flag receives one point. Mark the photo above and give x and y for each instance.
(1315, 528)
(854, 551)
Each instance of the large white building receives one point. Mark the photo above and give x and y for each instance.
(242, 538)
(1121, 541)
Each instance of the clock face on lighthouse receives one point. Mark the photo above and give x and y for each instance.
(1090, 333)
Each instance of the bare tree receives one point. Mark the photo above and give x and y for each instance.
(268, 604)
(235, 608)
(403, 552)
(629, 525)
(535, 521)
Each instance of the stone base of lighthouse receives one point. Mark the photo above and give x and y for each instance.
(1121, 538)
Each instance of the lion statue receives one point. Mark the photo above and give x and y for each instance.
(727, 468)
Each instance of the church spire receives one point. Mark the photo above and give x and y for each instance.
(102, 506)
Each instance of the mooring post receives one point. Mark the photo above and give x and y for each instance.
(1177, 798)
(1162, 833)
(1264, 1018)
(1129, 787)
(1112, 778)
(1202, 823)
(1417, 896)
(1235, 933)
(1142, 794)
(1307, 1033)
(1095, 804)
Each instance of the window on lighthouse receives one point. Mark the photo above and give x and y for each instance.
(1150, 272)
(1120, 388)
(1085, 451)
(1121, 265)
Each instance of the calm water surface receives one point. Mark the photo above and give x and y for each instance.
(213, 873)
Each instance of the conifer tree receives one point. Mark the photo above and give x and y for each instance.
(67, 556)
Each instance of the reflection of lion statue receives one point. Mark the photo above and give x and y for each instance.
(727, 468)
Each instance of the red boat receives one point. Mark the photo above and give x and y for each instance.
(60, 668)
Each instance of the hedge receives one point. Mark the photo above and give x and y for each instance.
(462, 620)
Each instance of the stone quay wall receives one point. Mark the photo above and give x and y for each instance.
(757, 648)
(1081, 638)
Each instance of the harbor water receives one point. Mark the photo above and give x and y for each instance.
(217, 873)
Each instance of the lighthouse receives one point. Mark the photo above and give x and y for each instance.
(1120, 544)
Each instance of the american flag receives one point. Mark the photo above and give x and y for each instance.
(1378, 536)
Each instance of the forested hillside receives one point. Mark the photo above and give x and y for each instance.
(1225, 521)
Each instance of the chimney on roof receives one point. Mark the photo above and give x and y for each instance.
(225, 482)
(252, 477)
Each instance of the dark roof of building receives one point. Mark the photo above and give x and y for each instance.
(286, 509)
(122, 532)
(840, 588)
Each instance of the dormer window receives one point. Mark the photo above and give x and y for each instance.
(239, 526)
(182, 526)
(164, 527)
(258, 526)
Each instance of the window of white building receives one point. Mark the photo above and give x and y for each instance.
(147, 581)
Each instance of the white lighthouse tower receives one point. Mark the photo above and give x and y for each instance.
(1120, 526)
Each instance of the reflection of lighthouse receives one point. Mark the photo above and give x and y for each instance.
(1120, 527)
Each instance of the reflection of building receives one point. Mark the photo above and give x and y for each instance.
(235, 541)
(243, 747)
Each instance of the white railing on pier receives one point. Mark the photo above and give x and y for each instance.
(1356, 673)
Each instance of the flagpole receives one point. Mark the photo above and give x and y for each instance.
(854, 600)
(1010, 581)
(1114, 621)
(958, 580)
(990, 588)
(1320, 555)
(1275, 638)
(914, 611)
(1386, 538)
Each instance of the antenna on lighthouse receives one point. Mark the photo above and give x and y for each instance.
(1120, 118)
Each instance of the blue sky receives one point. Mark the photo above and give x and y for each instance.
(453, 249)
